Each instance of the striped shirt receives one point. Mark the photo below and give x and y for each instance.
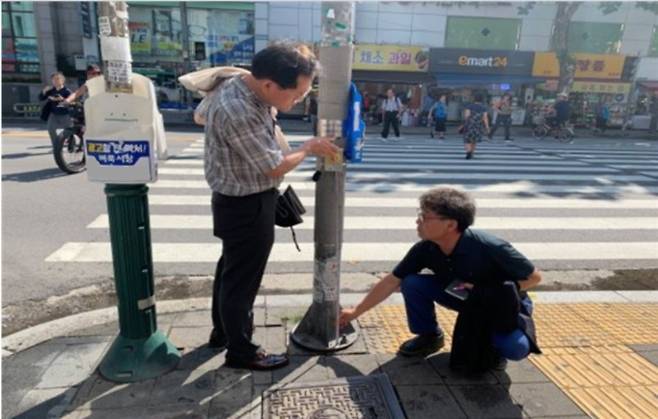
(240, 143)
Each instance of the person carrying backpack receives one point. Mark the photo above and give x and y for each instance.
(438, 112)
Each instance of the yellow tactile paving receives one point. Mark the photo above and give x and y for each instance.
(584, 348)
(617, 402)
(591, 367)
(627, 323)
(386, 327)
(558, 326)
(606, 382)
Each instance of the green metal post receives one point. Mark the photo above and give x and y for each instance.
(140, 351)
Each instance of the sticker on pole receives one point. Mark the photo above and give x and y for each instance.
(117, 153)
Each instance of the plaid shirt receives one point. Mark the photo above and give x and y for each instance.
(240, 144)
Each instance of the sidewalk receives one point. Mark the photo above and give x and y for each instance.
(600, 360)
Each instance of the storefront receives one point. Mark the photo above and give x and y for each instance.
(377, 68)
(217, 34)
(459, 73)
(597, 81)
(644, 98)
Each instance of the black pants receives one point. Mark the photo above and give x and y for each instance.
(246, 226)
(391, 118)
(505, 121)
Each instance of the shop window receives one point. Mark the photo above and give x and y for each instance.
(155, 34)
(597, 38)
(653, 46)
(26, 6)
(27, 49)
(23, 24)
(483, 33)
(6, 25)
(20, 51)
(221, 36)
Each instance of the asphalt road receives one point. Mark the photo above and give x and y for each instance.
(49, 215)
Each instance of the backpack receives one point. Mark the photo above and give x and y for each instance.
(439, 111)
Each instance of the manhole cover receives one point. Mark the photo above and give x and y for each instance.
(344, 398)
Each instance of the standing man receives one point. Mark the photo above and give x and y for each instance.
(452, 251)
(53, 112)
(244, 165)
(391, 112)
(504, 116)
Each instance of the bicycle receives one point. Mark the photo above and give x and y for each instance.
(69, 146)
(561, 132)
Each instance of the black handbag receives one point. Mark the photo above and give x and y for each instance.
(289, 210)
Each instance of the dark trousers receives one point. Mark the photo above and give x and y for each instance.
(391, 118)
(246, 226)
(505, 121)
(420, 292)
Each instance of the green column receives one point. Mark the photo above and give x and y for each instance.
(140, 351)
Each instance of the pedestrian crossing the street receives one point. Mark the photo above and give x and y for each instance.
(565, 206)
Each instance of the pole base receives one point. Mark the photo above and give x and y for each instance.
(131, 360)
(347, 335)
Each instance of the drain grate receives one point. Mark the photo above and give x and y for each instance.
(344, 398)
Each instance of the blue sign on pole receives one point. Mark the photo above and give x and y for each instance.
(117, 153)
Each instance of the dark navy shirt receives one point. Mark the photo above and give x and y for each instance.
(562, 110)
(54, 106)
(478, 258)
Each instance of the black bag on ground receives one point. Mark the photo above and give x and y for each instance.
(289, 210)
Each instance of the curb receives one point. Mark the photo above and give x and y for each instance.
(35, 335)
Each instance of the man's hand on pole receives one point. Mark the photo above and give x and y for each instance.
(321, 146)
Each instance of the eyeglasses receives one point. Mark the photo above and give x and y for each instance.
(422, 217)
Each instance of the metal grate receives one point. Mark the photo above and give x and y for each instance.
(353, 397)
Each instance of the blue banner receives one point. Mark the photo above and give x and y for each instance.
(117, 153)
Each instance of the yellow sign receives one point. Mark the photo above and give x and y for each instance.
(588, 66)
(599, 87)
(390, 58)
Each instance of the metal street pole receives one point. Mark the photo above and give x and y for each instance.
(319, 329)
(140, 351)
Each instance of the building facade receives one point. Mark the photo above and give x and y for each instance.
(171, 38)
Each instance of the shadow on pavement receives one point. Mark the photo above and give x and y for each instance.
(23, 155)
(34, 176)
(202, 387)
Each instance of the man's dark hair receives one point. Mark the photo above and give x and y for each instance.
(283, 63)
(478, 97)
(450, 203)
(93, 68)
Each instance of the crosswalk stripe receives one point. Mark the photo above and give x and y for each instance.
(604, 179)
(411, 163)
(356, 252)
(516, 187)
(197, 222)
(378, 202)
(615, 161)
(526, 169)
(599, 152)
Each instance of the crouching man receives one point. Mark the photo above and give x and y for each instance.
(475, 273)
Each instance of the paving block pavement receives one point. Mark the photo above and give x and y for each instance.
(600, 360)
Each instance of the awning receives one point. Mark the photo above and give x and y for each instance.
(468, 80)
(650, 85)
(397, 77)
